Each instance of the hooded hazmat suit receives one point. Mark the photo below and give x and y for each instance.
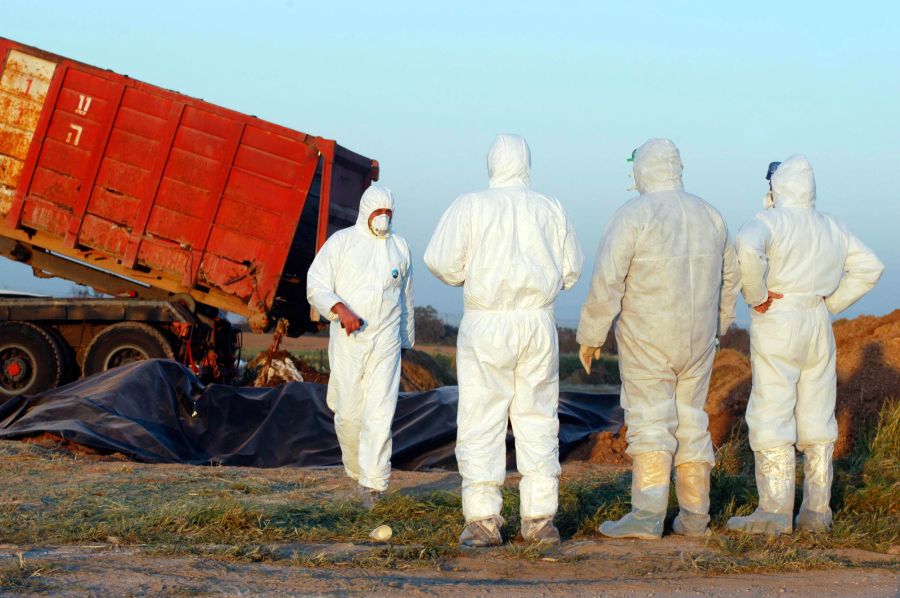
(372, 276)
(513, 250)
(819, 267)
(666, 267)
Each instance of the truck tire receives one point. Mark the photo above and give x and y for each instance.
(30, 360)
(70, 369)
(122, 343)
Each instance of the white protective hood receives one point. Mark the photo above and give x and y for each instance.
(509, 161)
(793, 184)
(657, 167)
(374, 198)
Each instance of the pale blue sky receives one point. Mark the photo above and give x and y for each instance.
(423, 87)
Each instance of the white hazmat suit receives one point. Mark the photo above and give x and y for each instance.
(819, 267)
(514, 250)
(371, 275)
(666, 267)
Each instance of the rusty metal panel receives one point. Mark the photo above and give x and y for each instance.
(238, 279)
(254, 190)
(23, 90)
(182, 197)
(105, 235)
(166, 256)
(251, 220)
(46, 216)
(54, 186)
(115, 206)
(120, 177)
(193, 169)
(170, 224)
(234, 244)
(272, 167)
(129, 148)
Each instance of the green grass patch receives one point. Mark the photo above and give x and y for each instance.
(864, 494)
(605, 371)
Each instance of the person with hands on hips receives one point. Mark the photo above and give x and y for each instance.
(817, 268)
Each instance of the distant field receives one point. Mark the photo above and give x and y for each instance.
(254, 343)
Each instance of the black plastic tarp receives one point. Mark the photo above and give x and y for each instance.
(156, 411)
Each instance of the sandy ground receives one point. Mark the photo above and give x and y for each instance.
(582, 567)
(613, 568)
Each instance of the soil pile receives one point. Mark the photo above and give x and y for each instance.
(420, 372)
(729, 390)
(868, 372)
(607, 448)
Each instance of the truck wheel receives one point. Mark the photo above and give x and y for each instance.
(125, 342)
(30, 360)
(70, 369)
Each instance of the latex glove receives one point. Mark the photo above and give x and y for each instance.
(586, 354)
(765, 305)
(350, 322)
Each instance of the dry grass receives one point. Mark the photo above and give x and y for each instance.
(229, 513)
(23, 577)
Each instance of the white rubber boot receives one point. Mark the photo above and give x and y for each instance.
(692, 490)
(649, 498)
(818, 474)
(775, 485)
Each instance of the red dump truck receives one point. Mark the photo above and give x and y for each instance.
(174, 207)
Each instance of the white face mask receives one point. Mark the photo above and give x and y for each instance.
(381, 224)
(769, 200)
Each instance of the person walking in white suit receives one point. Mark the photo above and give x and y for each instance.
(361, 280)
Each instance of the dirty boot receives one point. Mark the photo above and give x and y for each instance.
(761, 522)
(650, 473)
(691, 524)
(775, 485)
(692, 490)
(818, 473)
(368, 496)
(482, 533)
(541, 531)
(637, 524)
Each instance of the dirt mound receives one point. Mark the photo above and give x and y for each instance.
(729, 389)
(607, 448)
(420, 371)
(868, 372)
